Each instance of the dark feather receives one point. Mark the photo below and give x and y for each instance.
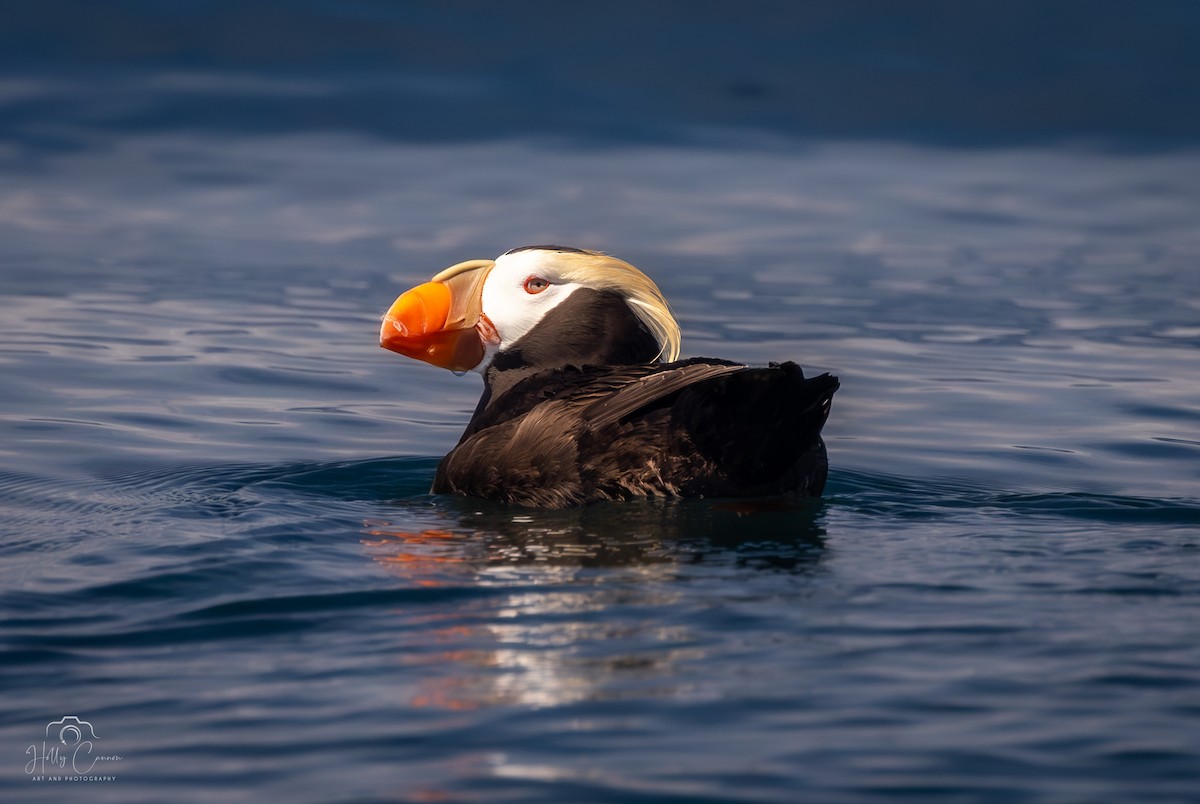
(697, 427)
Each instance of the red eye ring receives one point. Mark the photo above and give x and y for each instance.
(535, 284)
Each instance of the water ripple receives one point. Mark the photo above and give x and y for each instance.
(939, 497)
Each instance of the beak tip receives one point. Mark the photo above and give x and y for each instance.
(393, 327)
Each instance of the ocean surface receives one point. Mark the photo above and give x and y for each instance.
(218, 552)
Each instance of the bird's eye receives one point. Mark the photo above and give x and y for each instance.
(535, 284)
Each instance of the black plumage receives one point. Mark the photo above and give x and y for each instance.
(577, 411)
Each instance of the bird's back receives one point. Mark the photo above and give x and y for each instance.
(697, 427)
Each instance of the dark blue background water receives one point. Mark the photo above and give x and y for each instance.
(217, 545)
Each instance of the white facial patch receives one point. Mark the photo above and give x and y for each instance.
(512, 309)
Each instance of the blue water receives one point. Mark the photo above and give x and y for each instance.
(217, 545)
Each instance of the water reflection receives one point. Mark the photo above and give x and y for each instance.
(487, 538)
(596, 609)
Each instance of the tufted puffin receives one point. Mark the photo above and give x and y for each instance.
(585, 397)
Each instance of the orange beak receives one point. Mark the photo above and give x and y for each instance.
(442, 321)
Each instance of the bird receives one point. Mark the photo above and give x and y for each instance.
(585, 397)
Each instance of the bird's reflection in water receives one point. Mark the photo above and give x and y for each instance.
(653, 536)
(600, 605)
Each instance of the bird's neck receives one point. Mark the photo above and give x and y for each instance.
(590, 328)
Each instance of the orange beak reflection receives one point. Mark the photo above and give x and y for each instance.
(442, 321)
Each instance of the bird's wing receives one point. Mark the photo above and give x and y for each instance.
(647, 390)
